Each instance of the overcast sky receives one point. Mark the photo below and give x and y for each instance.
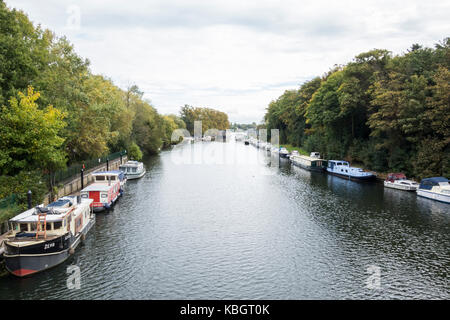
(234, 55)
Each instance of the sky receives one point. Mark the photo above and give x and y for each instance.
(236, 55)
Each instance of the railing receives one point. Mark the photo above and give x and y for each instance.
(69, 172)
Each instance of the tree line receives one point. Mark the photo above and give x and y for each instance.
(386, 112)
(210, 118)
(55, 112)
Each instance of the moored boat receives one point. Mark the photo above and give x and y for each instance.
(309, 163)
(284, 153)
(105, 190)
(293, 153)
(342, 169)
(399, 181)
(436, 188)
(43, 237)
(133, 169)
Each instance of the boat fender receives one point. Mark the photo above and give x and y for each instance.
(71, 251)
(83, 237)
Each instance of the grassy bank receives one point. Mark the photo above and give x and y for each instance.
(290, 148)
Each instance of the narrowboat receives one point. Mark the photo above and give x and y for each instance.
(105, 190)
(342, 169)
(43, 237)
(311, 163)
(436, 188)
(133, 169)
(399, 181)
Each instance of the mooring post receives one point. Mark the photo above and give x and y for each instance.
(107, 164)
(82, 178)
(29, 199)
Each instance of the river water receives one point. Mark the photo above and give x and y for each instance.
(226, 221)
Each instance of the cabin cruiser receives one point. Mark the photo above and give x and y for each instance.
(133, 169)
(311, 163)
(399, 181)
(436, 188)
(342, 169)
(45, 236)
(284, 153)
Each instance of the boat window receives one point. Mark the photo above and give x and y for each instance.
(113, 178)
(134, 170)
(23, 227)
(104, 195)
(346, 170)
(100, 178)
(84, 195)
(57, 225)
(48, 226)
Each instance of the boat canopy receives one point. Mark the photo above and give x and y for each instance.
(396, 176)
(429, 183)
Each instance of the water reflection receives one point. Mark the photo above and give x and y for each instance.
(221, 222)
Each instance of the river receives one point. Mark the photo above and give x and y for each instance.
(220, 221)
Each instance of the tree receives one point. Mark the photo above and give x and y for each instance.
(30, 136)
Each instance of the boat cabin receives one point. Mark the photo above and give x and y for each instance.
(395, 176)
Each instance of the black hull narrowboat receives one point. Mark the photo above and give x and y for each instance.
(43, 237)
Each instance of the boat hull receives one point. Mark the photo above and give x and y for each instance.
(309, 168)
(433, 196)
(399, 186)
(355, 178)
(131, 176)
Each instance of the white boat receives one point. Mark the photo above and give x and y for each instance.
(43, 237)
(284, 153)
(293, 153)
(436, 188)
(399, 181)
(342, 169)
(133, 169)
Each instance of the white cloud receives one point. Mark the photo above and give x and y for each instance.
(235, 56)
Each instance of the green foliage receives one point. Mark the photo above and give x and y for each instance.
(389, 113)
(211, 119)
(19, 185)
(134, 152)
(80, 115)
(30, 136)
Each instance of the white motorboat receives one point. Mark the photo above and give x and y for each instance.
(399, 181)
(133, 169)
(436, 188)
